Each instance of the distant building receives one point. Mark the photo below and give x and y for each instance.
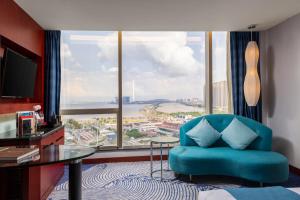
(133, 92)
(169, 129)
(220, 95)
(146, 126)
(190, 101)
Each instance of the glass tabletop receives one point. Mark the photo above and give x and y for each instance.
(53, 154)
(164, 139)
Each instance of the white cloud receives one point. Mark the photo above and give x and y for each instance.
(175, 71)
(170, 51)
(65, 51)
(87, 86)
(113, 69)
(108, 47)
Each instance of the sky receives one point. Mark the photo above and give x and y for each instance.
(169, 65)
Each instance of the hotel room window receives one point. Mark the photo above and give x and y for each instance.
(220, 84)
(163, 83)
(89, 87)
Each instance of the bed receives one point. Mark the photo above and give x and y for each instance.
(222, 194)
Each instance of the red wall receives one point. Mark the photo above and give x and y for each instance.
(19, 27)
(20, 32)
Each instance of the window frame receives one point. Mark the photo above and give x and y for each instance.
(119, 111)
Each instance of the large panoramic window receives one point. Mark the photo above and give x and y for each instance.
(119, 89)
(163, 83)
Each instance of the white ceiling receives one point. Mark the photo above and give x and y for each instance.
(168, 15)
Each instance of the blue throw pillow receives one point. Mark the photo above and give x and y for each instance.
(204, 134)
(237, 135)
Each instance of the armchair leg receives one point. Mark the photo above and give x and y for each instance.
(261, 184)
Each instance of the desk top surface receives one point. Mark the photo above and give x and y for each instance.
(53, 154)
(12, 135)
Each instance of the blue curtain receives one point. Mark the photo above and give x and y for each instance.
(52, 75)
(238, 44)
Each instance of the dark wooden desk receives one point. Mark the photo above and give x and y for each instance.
(37, 181)
(53, 154)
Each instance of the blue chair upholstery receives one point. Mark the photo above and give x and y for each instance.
(257, 162)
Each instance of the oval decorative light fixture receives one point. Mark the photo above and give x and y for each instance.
(252, 81)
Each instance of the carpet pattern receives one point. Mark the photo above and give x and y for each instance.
(132, 181)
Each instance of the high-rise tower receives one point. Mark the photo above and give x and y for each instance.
(133, 95)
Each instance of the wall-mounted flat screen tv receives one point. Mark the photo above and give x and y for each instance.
(18, 75)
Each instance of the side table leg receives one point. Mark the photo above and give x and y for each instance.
(75, 180)
(151, 158)
(161, 162)
(168, 157)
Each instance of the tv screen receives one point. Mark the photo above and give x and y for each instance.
(18, 74)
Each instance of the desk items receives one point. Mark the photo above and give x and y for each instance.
(39, 116)
(27, 122)
(18, 154)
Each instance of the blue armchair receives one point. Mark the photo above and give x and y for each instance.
(257, 162)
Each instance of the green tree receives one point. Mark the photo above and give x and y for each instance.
(72, 123)
(134, 133)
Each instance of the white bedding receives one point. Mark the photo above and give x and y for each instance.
(224, 195)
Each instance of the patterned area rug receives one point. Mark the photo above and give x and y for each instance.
(132, 181)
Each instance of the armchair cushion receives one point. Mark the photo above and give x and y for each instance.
(237, 135)
(204, 134)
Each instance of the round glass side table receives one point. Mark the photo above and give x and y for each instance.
(161, 140)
